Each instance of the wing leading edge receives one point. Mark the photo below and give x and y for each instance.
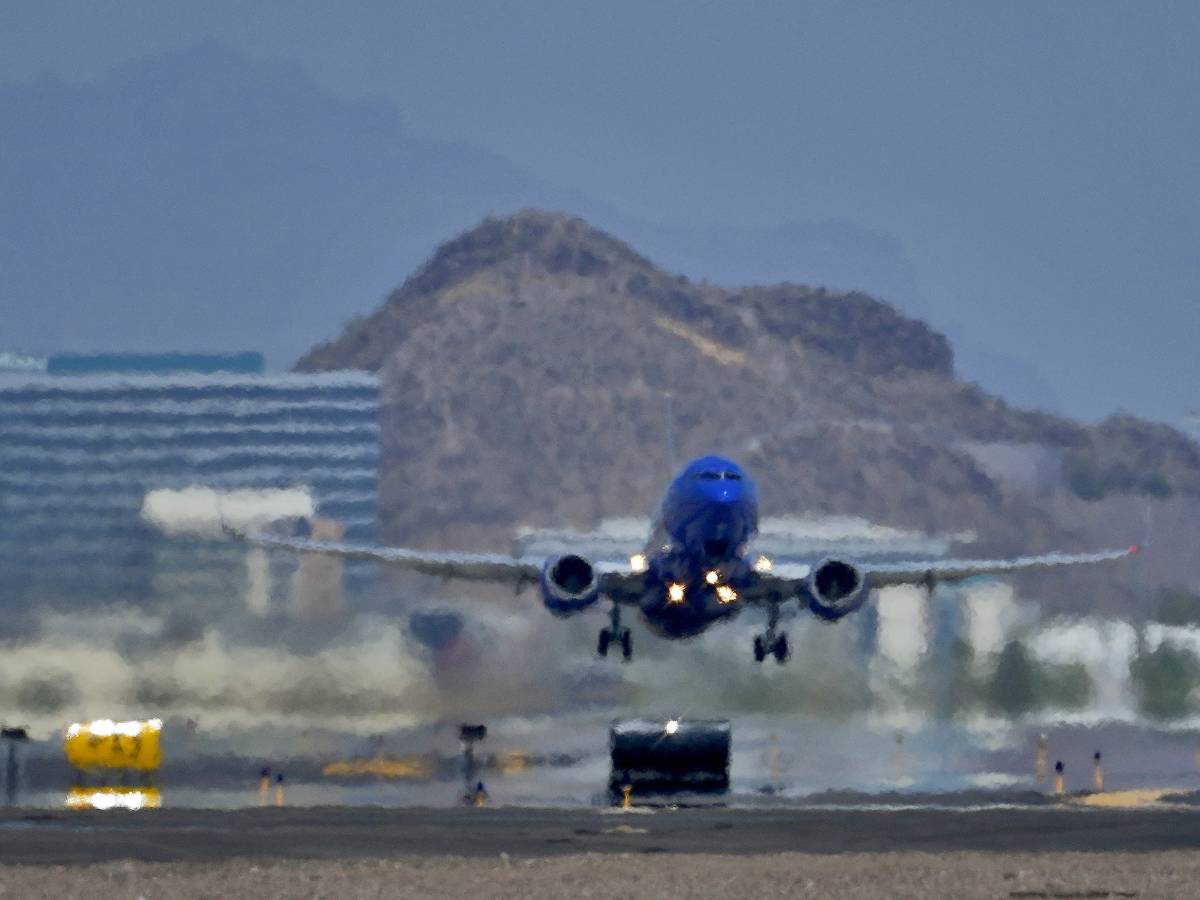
(790, 576)
(469, 566)
(786, 582)
(949, 570)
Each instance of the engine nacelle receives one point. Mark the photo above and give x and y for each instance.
(569, 583)
(835, 589)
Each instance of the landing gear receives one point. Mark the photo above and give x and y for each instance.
(615, 633)
(781, 650)
(622, 637)
(764, 646)
(771, 643)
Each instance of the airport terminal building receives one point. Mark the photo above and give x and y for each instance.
(86, 441)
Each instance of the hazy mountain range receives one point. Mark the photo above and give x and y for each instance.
(200, 199)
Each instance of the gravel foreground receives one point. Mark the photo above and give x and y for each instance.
(866, 876)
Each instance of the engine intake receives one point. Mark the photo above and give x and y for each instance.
(569, 583)
(835, 589)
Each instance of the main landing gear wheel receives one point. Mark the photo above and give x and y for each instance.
(615, 633)
(623, 637)
(779, 648)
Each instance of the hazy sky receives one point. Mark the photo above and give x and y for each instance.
(1038, 161)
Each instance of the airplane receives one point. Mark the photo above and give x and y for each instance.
(696, 568)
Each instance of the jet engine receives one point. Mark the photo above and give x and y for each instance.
(569, 583)
(835, 589)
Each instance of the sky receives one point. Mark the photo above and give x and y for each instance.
(1037, 161)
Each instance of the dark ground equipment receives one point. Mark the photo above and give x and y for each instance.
(669, 758)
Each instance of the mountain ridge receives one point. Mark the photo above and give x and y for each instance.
(566, 244)
(526, 371)
(199, 195)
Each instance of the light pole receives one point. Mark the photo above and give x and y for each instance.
(12, 737)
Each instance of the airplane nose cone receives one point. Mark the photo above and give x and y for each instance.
(726, 492)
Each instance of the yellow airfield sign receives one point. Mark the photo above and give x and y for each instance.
(105, 744)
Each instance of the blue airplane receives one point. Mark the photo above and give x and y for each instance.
(696, 569)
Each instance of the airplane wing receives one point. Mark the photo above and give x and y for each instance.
(786, 579)
(932, 572)
(789, 576)
(470, 566)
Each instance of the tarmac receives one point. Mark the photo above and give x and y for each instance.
(72, 838)
(849, 876)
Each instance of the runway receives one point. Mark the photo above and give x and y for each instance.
(76, 838)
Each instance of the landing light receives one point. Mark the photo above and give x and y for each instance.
(712, 577)
(675, 593)
(103, 798)
(672, 726)
(638, 563)
(762, 565)
(725, 593)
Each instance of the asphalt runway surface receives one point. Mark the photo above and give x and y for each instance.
(317, 833)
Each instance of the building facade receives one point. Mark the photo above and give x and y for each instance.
(80, 454)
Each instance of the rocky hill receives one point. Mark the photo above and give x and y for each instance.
(539, 371)
(121, 193)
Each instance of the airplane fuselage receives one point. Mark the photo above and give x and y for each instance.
(695, 561)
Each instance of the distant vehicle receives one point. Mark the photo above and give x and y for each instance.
(695, 570)
(668, 758)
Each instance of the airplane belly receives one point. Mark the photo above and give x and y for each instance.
(687, 618)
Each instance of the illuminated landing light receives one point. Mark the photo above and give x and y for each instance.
(675, 593)
(762, 565)
(105, 798)
(725, 593)
(712, 577)
(638, 563)
(672, 726)
(103, 728)
(128, 729)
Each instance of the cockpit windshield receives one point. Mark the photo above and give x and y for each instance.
(722, 475)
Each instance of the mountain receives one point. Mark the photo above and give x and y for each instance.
(527, 368)
(201, 199)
